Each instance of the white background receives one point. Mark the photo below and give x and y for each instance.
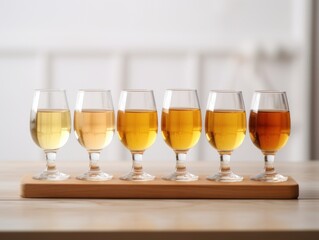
(160, 44)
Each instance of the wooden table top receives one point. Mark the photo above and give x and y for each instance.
(159, 219)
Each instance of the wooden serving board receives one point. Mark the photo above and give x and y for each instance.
(201, 189)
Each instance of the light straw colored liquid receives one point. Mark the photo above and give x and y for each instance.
(181, 128)
(50, 129)
(225, 130)
(137, 129)
(94, 129)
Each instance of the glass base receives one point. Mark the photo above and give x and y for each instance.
(51, 176)
(263, 177)
(132, 176)
(185, 177)
(95, 176)
(225, 177)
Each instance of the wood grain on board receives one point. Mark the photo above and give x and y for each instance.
(159, 189)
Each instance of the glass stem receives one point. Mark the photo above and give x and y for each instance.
(181, 164)
(269, 165)
(137, 167)
(94, 161)
(50, 158)
(224, 164)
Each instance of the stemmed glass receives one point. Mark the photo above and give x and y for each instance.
(137, 128)
(181, 128)
(94, 128)
(269, 128)
(50, 126)
(225, 125)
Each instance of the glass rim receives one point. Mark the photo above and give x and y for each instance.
(182, 89)
(136, 90)
(50, 90)
(269, 91)
(224, 91)
(93, 90)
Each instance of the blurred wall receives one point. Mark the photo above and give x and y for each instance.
(152, 44)
(315, 81)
